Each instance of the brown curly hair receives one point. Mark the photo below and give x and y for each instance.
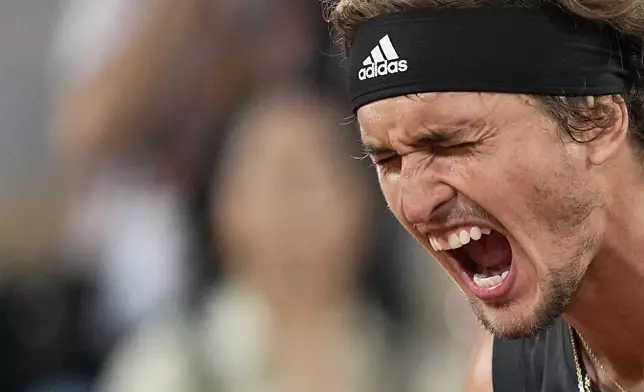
(627, 16)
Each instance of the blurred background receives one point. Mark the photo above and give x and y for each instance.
(182, 208)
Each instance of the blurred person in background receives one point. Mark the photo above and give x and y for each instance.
(144, 89)
(118, 67)
(293, 218)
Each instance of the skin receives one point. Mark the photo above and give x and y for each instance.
(499, 161)
(294, 232)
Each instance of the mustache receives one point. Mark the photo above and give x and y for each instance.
(459, 212)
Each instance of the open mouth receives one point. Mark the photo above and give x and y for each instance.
(484, 257)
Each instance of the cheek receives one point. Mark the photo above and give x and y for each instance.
(543, 201)
(552, 193)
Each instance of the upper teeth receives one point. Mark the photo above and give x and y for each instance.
(458, 239)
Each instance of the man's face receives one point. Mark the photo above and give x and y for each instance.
(488, 187)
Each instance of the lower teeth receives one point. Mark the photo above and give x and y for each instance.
(490, 280)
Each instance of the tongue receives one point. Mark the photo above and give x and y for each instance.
(492, 251)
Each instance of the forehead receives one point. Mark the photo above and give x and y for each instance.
(439, 110)
(289, 140)
(273, 144)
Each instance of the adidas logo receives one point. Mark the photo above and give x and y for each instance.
(383, 61)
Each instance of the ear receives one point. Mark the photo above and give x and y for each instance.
(610, 130)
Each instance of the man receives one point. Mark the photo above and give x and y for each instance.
(507, 137)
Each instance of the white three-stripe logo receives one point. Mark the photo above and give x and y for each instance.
(384, 51)
(383, 60)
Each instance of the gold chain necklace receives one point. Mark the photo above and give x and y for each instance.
(594, 358)
(583, 380)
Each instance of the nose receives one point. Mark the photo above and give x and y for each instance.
(423, 196)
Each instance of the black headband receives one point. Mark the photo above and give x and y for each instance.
(507, 50)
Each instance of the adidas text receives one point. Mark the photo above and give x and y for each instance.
(382, 68)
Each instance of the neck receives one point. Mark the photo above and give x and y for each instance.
(607, 309)
(306, 315)
(309, 340)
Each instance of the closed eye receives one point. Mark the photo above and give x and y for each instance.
(466, 148)
(387, 164)
(385, 160)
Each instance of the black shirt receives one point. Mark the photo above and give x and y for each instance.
(544, 363)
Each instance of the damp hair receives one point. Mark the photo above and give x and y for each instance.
(627, 16)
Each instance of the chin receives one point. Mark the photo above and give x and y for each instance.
(519, 319)
(510, 323)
